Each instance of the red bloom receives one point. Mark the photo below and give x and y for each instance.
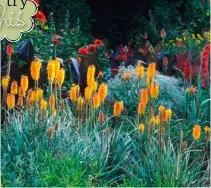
(163, 33)
(204, 56)
(56, 42)
(186, 69)
(98, 43)
(83, 51)
(40, 16)
(114, 70)
(92, 48)
(165, 61)
(122, 57)
(9, 49)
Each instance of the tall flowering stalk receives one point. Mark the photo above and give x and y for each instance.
(60, 80)
(204, 57)
(9, 52)
(35, 71)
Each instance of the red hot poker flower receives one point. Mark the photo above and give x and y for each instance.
(98, 42)
(122, 57)
(83, 51)
(40, 16)
(9, 49)
(92, 48)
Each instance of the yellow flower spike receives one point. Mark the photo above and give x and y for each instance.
(141, 107)
(24, 82)
(90, 74)
(14, 88)
(74, 92)
(43, 106)
(54, 112)
(94, 85)
(35, 69)
(207, 130)
(80, 103)
(144, 96)
(33, 96)
(196, 132)
(52, 101)
(193, 36)
(102, 91)
(88, 93)
(39, 94)
(5, 82)
(139, 71)
(168, 115)
(157, 120)
(57, 66)
(118, 107)
(51, 70)
(10, 101)
(154, 90)
(152, 120)
(162, 113)
(96, 101)
(60, 77)
(151, 70)
(141, 128)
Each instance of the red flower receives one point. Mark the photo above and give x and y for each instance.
(9, 49)
(83, 51)
(145, 36)
(56, 42)
(163, 33)
(165, 61)
(40, 16)
(92, 48)
(114, 70)
(122, 57)
(186, 69)
(98, 43)
(204, 56)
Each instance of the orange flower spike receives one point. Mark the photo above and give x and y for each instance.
(88, 93)
(141, 128)
(33, 96)
(73, 96)
(154, 90)
(80, 103)
(52, 101)
(96, 101)
(24, 82)
(118, 107)
(144, 96)
(10, 101)
(127, 76)
(100, 75)
(14, 88)
(196, 132)
(101, 117)
(20, 101)
(141, 108)
(60, 77)
(162, 113)
(21, 92)
(102, 91)
(139, 71)
(51, 70)
(35, 69)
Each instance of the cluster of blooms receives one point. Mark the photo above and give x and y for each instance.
(90, 49)
(187, 70)
(40, 14)
(204, 57)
